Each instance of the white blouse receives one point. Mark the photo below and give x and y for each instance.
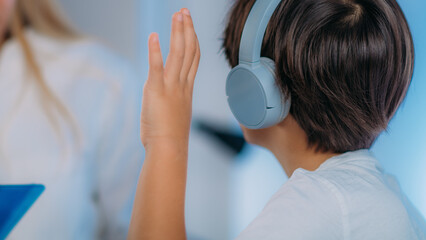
(90, 182)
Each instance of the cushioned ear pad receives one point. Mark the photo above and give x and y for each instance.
(269, 64)
(283, 103)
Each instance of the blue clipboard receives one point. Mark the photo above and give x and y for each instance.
(15, 200)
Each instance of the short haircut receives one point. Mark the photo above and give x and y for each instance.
(347, 65)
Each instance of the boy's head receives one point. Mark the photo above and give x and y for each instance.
(347, 65)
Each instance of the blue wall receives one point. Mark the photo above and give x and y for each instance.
(402, 150)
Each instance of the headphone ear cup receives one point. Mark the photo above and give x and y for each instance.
(253, 96)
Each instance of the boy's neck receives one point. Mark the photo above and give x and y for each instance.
(290, 161)
(290, 147)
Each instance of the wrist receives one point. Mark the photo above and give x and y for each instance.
(167, 146)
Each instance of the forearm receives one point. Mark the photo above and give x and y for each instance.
(160, 199)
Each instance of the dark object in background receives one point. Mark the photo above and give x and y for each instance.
(234, 141)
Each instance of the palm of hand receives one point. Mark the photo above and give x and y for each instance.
(167, 98)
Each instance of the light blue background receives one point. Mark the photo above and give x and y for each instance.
(402, 150)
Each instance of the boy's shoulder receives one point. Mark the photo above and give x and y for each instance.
(303, 208)
(347, 193)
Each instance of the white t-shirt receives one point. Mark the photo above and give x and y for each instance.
(89, 190)
(347, 197)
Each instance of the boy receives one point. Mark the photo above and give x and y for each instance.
(347, 66)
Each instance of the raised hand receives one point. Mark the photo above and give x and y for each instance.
(158, 211)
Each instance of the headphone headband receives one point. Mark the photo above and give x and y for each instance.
(254, 30)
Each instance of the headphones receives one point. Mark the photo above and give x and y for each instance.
(253, 96)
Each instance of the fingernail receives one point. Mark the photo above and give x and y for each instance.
(180, 17)
(186, 12)
(154, 37)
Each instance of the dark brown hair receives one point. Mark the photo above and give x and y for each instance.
(347, 65)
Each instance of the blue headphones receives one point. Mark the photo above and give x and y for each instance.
(253, 96)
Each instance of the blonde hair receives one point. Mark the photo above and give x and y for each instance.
(44, 17)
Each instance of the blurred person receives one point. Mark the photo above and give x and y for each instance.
(68, 110)
(347, 66)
